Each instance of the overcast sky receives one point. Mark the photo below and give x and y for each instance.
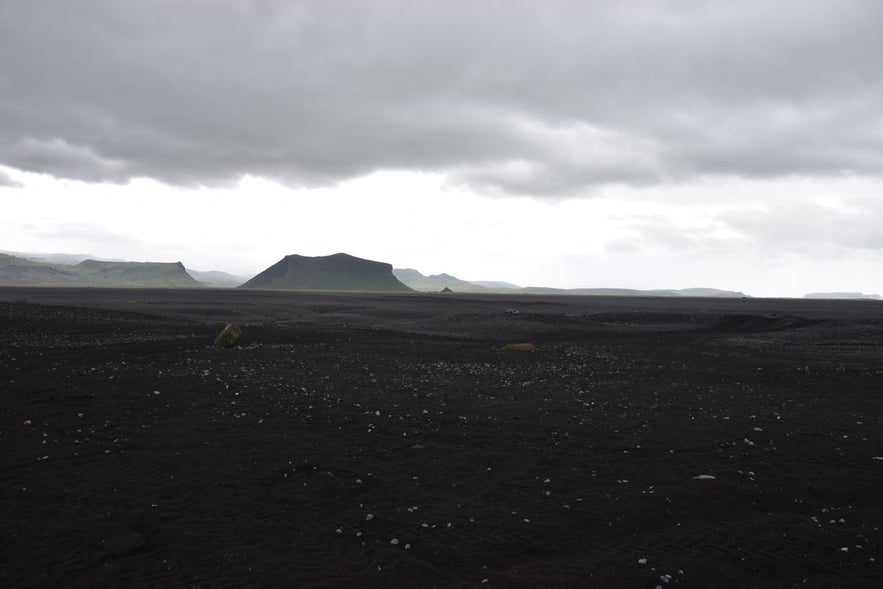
(641, 143)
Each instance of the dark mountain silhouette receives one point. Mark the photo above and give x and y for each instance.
(337, 272)
(14, 270)
(340, 272)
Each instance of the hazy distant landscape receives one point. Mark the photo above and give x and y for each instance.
(324, 273)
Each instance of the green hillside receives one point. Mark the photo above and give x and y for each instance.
(19, 271)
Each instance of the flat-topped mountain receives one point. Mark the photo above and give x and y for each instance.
(169, 274)
(340, 272)
(15, 270)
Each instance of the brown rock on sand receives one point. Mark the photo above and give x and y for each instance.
(526, 347)
(228, 336)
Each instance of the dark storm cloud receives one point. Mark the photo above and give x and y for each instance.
(509, 97)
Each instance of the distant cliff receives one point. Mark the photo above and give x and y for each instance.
(14, 270)
(331, 273)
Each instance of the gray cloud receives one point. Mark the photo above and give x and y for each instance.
(812, 228)
(548, 98)
(7, 182)
(784, 229)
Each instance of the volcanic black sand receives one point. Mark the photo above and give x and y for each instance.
(388, 440)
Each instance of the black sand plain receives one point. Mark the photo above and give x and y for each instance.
(367, 440)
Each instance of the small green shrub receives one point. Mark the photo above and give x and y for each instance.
(228, 336)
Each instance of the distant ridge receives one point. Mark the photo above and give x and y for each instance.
(436, 282)
(337, 272)
(294, 272)
(216, 278)
(496, 285)
(842, 295)
(630, 292)
(21, 271)
(57, 258)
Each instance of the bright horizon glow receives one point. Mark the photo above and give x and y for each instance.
(704, 234)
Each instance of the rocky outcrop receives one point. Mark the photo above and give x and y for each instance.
(339, 272)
